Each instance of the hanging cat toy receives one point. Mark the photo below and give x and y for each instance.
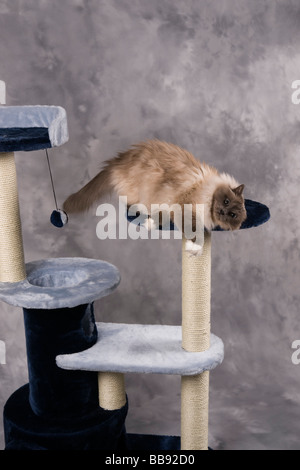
(59, 218)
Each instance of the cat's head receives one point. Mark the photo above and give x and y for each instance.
(228, 207)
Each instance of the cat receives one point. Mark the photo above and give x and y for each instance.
(156, 172)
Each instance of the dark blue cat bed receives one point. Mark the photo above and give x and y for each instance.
(257, 214)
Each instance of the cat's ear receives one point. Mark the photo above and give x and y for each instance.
(239, 190)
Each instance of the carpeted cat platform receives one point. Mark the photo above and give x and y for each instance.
(28, 128)
(142, 349)
(257, 214)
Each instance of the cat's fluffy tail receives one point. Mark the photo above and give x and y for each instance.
(89, 194)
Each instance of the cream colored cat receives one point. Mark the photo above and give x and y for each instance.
(155, 172)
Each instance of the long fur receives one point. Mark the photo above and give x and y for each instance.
(155, 172)
(90, 193)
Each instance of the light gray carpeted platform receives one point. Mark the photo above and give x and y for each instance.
(146, 349)
(24, 126)
(61, 283)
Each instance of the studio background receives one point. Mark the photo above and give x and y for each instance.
(211, 76)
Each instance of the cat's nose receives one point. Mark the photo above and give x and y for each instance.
(222, 212)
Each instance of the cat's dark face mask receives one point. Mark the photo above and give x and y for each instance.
(228, 208)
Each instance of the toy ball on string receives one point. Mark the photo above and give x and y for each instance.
(59, 218)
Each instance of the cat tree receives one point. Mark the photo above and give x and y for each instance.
(74, 364)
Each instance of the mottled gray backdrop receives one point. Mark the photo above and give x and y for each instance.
(214, 77)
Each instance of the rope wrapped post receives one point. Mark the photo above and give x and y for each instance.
(196, 295)
(112, 395)
(12, 264)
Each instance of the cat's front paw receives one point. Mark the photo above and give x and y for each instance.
(193, 248)
(149, 224)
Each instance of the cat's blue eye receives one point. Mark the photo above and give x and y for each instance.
(226, 202)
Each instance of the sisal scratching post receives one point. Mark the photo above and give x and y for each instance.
(196, 293)
(12, 265)
(112, 395)
(194, 411)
